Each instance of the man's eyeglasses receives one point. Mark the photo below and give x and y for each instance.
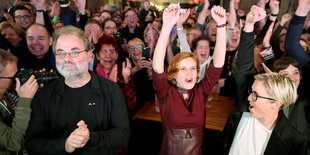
(135, 47)
(255, 96)
(73, 54)
(194, 34)
(24, 16)
(110, 28)
(111, 52)
(131, 16)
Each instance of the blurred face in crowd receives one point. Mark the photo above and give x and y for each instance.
(146, 5)
(233, 43)
(202, 50)
(191, 21)
(11, 35)
(293, 73)
(9, 71)
(193, 34)
(38, 41)
(151, 33)
(135, 49)
(131, 19)
(149, 17)
(186, 77)
(107, 57)
(156, 24)
(211, 31)
(103, 16)
(118, 20)
(23, 18)
(281, 42)
(8, 17)
(110, 28)
(72, 67)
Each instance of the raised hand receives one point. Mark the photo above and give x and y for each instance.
(285, 18)
(28, 89)
(113, 73)
(55, 8)
(219, 15)
(274, 6)
(171, 16)
(183, 17)
(262, 3)
(80, 4)
(126, 70)
(39, 4)
(256, 14)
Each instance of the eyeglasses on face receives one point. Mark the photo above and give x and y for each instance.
(148, 35)
(135, 47)
(24, 16)
(72, 53)
(254, 96)
(111, 52)
(134, 15)
(110, 28)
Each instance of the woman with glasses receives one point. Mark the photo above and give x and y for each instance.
(258, 124)
(141, 72)
(107, 52)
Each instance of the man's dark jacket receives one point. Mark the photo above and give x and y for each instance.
(112, 119)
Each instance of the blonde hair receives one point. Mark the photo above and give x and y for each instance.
(135, 40)
(279, 87)
(18, 30)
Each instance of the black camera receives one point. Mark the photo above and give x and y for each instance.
(42, 77)
(119, 38)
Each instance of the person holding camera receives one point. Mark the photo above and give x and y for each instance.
(14, 110)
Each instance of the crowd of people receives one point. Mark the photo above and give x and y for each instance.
(98, 67)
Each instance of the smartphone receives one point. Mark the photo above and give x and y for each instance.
(146, 53)
(25, 0)
(63, 1)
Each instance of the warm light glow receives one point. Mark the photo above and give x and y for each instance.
(191, 2)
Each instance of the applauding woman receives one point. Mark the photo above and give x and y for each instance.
(107, 53)
(181, 100)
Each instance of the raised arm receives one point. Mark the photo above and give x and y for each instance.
(245, 63)
(219, 15)
(204, 13)
(292, 46)
(184, 45)
(170, 17)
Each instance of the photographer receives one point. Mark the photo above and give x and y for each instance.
(14, 111)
